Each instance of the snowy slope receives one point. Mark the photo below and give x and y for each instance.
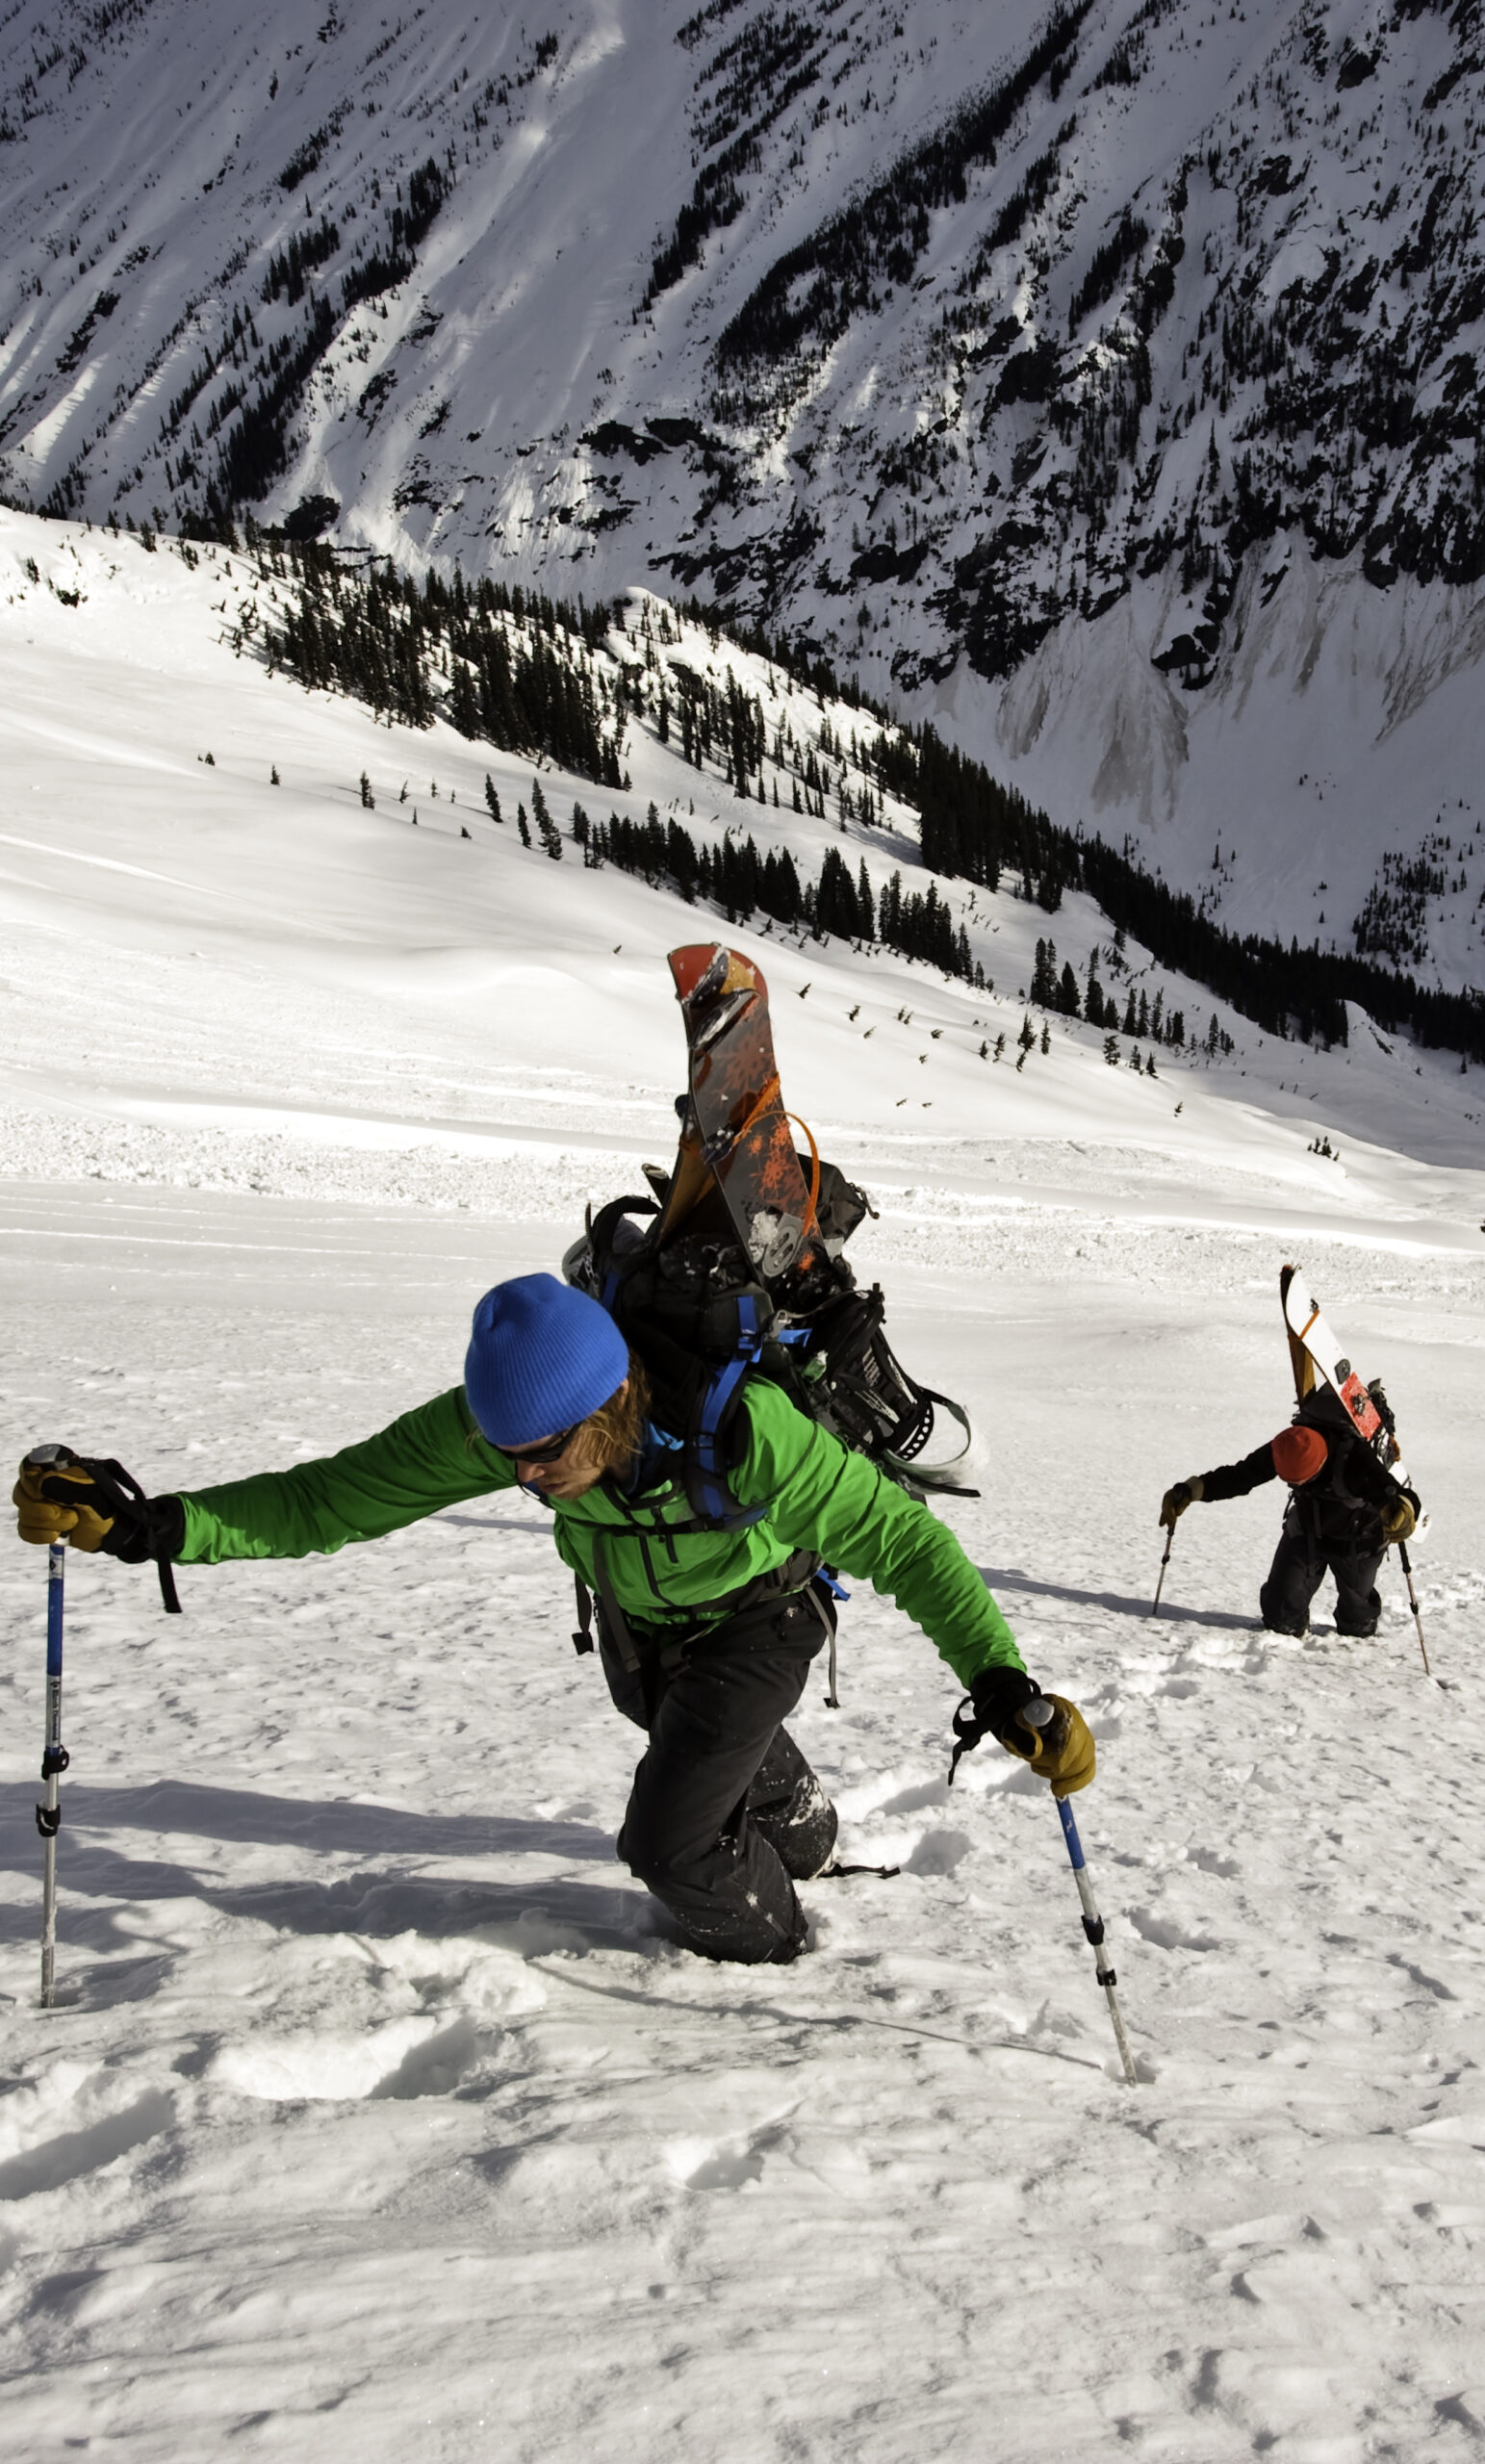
(138, 681)
(381, 2118)
(1103, 380)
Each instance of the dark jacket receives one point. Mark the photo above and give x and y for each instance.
(1344, 1500)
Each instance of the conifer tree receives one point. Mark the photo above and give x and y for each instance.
(551, 835)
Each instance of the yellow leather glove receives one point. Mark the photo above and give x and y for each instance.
(1174, 1502)
(60, 1500)
(1063, 1754)
(1399, 1521)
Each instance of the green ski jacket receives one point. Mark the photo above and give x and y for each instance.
(819, 1496)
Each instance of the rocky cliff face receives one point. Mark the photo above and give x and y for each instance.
(1105, 380)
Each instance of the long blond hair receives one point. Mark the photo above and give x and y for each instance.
(611, 1437)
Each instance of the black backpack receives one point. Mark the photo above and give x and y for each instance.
(1346, 1498)
(694, 1311)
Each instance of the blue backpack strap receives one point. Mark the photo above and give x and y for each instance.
(706, 1480)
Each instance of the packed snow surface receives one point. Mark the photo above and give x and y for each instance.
(380, 2116)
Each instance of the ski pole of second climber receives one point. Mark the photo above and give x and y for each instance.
(54, 1762)
(1040, 1714)
(1159, 1585)
(1407, 1576)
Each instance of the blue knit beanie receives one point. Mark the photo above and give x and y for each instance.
(541, 1358)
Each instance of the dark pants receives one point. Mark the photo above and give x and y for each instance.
(725, 1812)
(1300, 1563)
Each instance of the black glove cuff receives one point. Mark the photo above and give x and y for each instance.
(152, 1530)
(144, 1530)
(998, 1694)
(989, 1710)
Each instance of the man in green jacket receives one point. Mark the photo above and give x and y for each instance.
(705, 1633)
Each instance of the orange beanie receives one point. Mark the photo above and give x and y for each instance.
(1298, 1455)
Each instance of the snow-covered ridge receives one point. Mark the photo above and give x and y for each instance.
(142, 735)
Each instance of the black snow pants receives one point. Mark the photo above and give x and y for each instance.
(726, 1814)
(1300, 1563)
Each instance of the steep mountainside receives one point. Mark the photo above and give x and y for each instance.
(1102, 381)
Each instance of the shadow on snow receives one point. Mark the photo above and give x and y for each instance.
(393, 1898)
(1010, 1579)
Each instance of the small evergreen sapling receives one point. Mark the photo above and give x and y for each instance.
(551, 835)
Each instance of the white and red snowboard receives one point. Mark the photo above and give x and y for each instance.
(1315, 1353)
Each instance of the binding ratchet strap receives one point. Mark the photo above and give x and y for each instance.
(812, 1221)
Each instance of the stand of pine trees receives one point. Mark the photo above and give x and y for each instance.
(736, 878)
(504, 667)
(514, 670)
(975, 829)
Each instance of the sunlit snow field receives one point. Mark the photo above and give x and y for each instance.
(380, 2116)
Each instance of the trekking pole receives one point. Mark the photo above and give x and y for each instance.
(54, 1762)
(1407, 1571)
(1164, 1563)
(1040, 1714)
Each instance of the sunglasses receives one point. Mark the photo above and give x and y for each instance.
(550, 1450)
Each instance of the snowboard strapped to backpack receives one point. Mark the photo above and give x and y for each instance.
(733, 1267)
